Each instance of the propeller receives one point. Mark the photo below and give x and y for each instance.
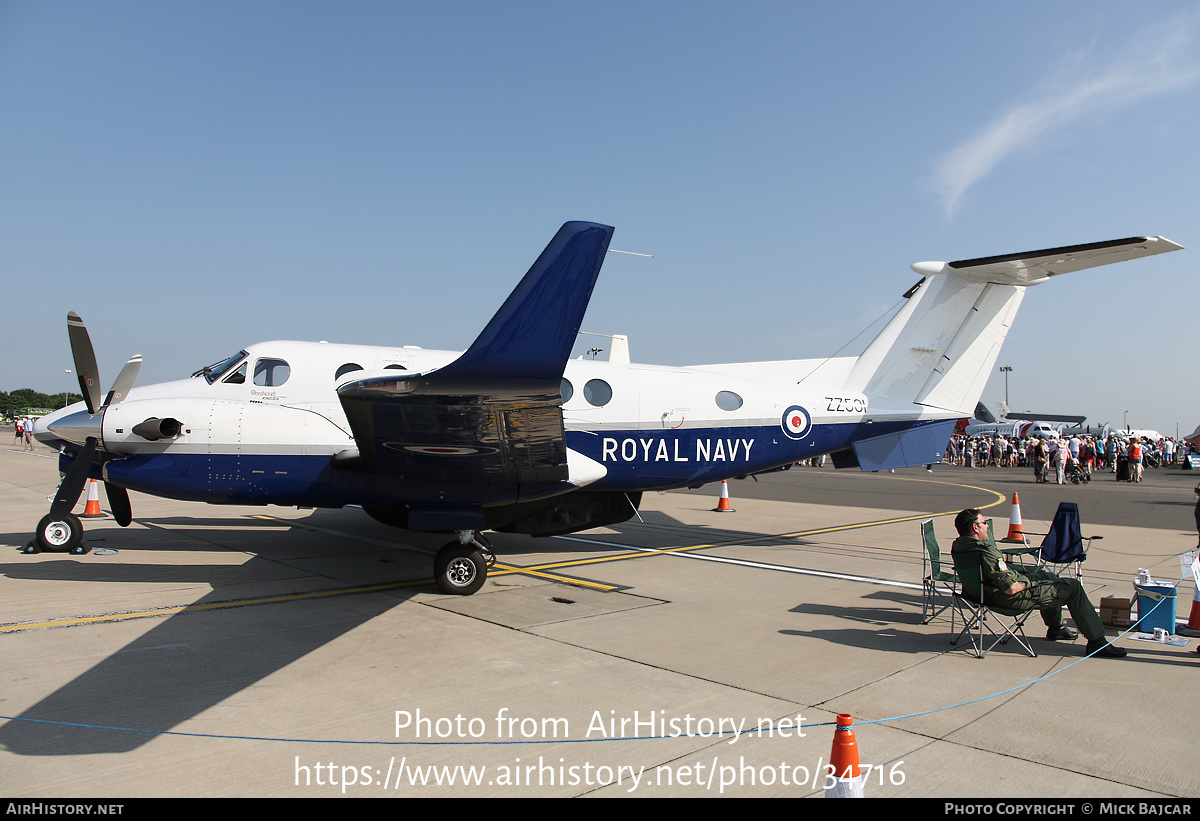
(61, 529)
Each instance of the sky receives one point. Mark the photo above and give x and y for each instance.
(195, 177)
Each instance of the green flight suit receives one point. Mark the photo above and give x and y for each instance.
(1043, 591)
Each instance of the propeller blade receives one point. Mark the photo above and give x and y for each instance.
(85, 361)
(120, 388)
(73, 482)
(118, 503)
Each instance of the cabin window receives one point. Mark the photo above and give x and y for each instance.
(349, 367)
(271, 373)
(728, 400)
(566, 390)
(238, 377)
(597, 392)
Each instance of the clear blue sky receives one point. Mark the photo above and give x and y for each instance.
(195, 177)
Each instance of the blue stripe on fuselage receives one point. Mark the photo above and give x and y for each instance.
(635, 461)
(653, 459)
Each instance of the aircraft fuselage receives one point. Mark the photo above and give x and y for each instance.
(639, 427)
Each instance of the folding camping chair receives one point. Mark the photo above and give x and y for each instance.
(1064, 549)
(936, 583)
(978, 615)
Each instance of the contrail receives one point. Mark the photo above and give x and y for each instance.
(1161, 59)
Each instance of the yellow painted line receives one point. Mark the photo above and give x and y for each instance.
(538, 570)
(508, 570)
(498, 569)
(749, 539)
(199, 608)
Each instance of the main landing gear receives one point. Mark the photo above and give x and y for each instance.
(461, 566)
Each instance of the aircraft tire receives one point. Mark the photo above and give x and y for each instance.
(60, 534)
(459, 569)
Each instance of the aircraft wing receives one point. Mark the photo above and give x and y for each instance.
(1032, 267)
(488, 427)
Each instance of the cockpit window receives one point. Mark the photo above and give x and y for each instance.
(213, 372)
(238, 377)
(271, 373)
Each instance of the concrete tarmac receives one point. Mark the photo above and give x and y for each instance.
(243, 651)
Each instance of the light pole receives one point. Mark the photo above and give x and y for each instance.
(1006, 370)
(66, 392)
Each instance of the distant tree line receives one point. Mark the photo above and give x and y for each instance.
(11, 403)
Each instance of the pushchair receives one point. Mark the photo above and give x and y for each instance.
(1075, 474)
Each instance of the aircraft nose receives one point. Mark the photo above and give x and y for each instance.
(73, 427)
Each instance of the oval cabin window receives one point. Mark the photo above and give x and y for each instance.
(597, 392)
(728, 401)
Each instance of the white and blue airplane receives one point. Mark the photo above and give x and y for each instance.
(511, 435)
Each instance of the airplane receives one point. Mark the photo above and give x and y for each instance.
(983, 423)
(513, 436)
(1015, 428)
(1139, 433)
(1105, 431)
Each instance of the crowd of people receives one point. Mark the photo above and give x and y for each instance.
(1055, 459)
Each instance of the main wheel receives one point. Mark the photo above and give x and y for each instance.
(60, 534)
(459, 569)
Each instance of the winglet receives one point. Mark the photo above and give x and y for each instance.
(530, 337)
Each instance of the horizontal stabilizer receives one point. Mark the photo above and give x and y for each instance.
(1032, 267)
(939, 349)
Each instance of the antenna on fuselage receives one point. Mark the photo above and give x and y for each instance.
(617, 352)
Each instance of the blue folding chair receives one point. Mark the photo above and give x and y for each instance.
(1064, 548)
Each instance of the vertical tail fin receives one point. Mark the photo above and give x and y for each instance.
(939, 350)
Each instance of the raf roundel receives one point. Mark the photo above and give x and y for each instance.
(796, 422)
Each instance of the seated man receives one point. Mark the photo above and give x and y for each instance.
(1030, 589)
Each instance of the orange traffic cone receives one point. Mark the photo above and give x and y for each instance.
(92, 511)
(1194, 618)
(1015, 533)
(843, 761)
(723, 505)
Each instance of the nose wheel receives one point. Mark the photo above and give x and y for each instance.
(58, 534)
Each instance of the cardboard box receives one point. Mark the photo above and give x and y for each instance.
(1116, 612)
